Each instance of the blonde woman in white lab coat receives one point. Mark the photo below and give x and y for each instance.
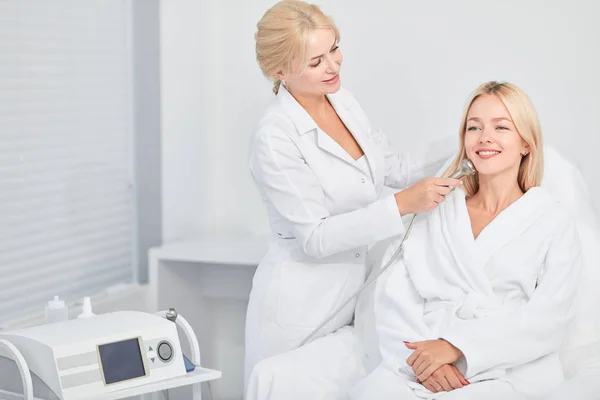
(320, 168)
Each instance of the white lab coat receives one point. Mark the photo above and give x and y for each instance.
(324, 213)
(505, 299)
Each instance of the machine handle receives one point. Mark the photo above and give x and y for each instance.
(181, 322)
(23, 368)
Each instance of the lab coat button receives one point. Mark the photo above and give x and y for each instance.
(357, 255)
(363, 180)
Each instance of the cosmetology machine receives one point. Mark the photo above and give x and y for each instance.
(109, 356)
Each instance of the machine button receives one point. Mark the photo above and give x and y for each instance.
(165, 351)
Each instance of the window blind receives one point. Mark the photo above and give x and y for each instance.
(66, 207)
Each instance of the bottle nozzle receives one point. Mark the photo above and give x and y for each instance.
(56, 303)
(86, 310)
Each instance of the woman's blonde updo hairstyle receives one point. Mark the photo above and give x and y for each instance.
(282, 36)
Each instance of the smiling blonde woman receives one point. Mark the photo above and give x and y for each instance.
(482, 298)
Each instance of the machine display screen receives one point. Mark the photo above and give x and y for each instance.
(121, 361)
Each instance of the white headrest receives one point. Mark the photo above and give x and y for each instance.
(566, 183)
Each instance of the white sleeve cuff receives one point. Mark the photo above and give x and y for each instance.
(393, 215)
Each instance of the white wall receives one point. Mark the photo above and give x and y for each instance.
(411, 64)
(191, 115)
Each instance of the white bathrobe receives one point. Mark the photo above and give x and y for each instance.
(479, 294)
(504, 299)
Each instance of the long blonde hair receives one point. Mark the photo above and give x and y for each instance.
(282, 36)
(526, 121)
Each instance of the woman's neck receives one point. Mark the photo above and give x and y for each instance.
(316, 105)
(495, 194)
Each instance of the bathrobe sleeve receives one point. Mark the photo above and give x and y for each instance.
(398, 315)
(534, 330)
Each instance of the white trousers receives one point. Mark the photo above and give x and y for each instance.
(321, 370)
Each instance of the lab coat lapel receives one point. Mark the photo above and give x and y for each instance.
(346, 113)
(344, 109)
(326, 143)
(305, 124)
(301, 118)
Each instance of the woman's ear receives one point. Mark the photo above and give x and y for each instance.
(525, 149)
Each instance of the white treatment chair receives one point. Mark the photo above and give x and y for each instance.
(580, 353)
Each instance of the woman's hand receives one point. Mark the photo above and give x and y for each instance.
(445, 379)
(425, 195)
(430, 355)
